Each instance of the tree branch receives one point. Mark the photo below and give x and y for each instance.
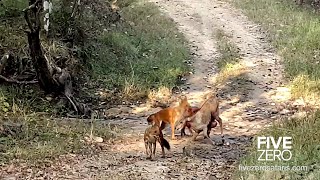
(31, 7)
(16, 81)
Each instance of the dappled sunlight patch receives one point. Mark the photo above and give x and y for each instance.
(127, 146)
(195, 98)
(231, 114)
(161, 94)
(280, 94)
(276, 95)
(132, 91)
(303, 86)
(139, 110)
(249, 63)
(230, 70)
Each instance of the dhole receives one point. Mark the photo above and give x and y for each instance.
(171, 115)
(151, 136)
(204, 119)
(188, 124)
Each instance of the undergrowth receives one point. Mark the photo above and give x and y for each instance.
(41, 139)
(142, 52)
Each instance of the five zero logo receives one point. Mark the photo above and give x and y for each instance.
(275, 149)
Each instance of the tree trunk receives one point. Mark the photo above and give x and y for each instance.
(51, 77)
(41, 64)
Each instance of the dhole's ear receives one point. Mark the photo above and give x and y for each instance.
(195, 110)
(184, 100)
(210, 95)
(150, 118)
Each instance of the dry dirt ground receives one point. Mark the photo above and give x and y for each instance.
(250, 101)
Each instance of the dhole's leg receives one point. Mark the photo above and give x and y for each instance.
(220, 123)
(188, 125)
(163, 125)
(212, 119)
(217, 117)
(208, 131)
(183, 129)
(190, 130)
(194, 135)
(154, 149)
(206, 135)
(150, 150)
(183, 133)
(146, 146)
(172, 132)
(212, 124)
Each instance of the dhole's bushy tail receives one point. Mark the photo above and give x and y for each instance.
(165, 143)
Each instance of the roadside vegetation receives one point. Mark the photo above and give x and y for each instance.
(145, 52)
(304, 163)
(125, 58)
(293, 30)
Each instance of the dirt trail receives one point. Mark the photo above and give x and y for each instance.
(248, 104)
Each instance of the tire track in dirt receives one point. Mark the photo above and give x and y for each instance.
(245, 111)
(199, 21)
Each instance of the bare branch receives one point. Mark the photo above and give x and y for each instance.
(16, 81)
(72, 103)
(26, 16)
(32, 6)
(37, 14)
